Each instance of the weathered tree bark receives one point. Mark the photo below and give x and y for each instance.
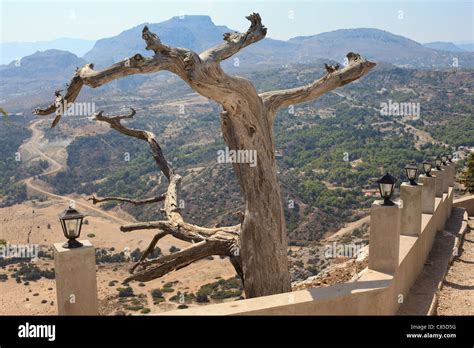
(257, 248)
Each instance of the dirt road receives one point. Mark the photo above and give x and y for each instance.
(349, 228)
(33, 147)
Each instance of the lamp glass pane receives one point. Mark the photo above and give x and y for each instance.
(411, 173)
(72, 227)
(386, 190)
(427, 167)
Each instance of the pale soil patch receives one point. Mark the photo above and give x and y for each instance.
(20, 225)
(18, 299)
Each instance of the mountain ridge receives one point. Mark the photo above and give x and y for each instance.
(199, 32)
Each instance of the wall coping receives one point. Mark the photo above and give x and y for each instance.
(368, 282)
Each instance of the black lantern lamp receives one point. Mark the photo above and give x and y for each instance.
(450, 157)
(411, 172)
(71, 223)
(427, 168)
(438, 163)
(444, 159)
(386, 186)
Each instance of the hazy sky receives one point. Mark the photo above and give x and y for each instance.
(423, 21)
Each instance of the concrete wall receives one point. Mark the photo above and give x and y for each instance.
(466, 203)
(373, 293)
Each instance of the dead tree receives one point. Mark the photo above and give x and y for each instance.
(258, 247)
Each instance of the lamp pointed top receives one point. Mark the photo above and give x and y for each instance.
(70, 213)
(386, 179)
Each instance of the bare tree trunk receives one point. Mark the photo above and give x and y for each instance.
(257, 248)
(263, 235)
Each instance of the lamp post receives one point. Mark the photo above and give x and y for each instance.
(75, 269)
(71, 223)
(411, 172)
(427, 168)
(438, 163)
(386, 186)
(444, 159)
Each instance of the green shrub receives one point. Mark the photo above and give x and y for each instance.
(202, 298)
(133, 308)
(156, 293)
(174, 249)
(158, 300)
(125, 292)
(223, 294)
(168, 285)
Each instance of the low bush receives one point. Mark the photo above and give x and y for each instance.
(126, 292)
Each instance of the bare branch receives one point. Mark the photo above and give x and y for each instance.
(176, 60)
(334, 78)
(185, 231)
(149, 250)
(220, 238)
(183, 59)
(86, 75)
(153, 42)
(96, 200)
(148, 225)
(234, 42)
(149, 137)
(157, 268)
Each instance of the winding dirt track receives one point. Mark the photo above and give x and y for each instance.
(32, 145)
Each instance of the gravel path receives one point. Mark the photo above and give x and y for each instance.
(422, 294)
(457, 295)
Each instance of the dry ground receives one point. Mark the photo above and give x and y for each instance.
(28, 223)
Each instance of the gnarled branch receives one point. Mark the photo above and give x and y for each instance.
(86, 75)
(153, 42)
(96, 200)
(225, 240)
(149, 250)
(334, 78)
(186, 231)
(176, 60)
(163, 265)
(115, 123)
(234, 42)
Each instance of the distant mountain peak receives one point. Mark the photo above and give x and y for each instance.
(358, 33)
(444, 46)
(192, 18)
